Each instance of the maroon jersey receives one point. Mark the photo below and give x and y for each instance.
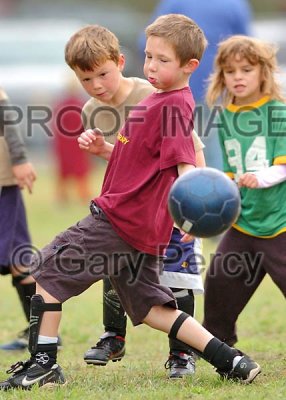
(154, 140)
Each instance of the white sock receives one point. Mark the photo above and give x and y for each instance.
(47, 339)
(235, 361)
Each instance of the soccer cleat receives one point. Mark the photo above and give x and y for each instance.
(22, 341)
(245, 371)
(109, 348)
(29, 373)
(180, 365)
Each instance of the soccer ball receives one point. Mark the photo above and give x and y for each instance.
(204, 202)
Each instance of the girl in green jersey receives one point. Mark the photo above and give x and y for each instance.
(252, 131)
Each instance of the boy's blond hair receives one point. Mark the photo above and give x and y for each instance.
(91, 47)
(185, 36)
(256, 52)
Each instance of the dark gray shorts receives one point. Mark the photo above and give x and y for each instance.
(91, 250)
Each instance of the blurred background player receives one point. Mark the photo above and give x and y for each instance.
(72, 165)
(16, 173)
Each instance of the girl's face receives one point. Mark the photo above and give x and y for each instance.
(243, 80)
(162, 67)
(102, 82)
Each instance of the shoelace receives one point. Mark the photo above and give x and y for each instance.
(176, 359)
(101, 344)
(20, 366)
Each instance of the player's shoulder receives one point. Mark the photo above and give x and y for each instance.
(142, 86)
(279, 103)
(179, 98)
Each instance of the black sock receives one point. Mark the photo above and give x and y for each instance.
(25, 292)
(46, 355)
(220, 355)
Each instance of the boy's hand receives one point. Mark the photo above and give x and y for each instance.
(248, 180)
(92, 141)
(25, 175)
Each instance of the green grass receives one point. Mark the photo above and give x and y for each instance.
(141, 374)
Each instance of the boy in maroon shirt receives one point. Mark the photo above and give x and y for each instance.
(118, 238)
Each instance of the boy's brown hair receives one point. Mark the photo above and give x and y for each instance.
(91, 47)
(185, 36)
(256, 52)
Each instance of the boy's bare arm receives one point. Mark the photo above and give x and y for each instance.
(183, 168)
(93, 141)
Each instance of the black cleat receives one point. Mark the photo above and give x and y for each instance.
(109, 348)
(22, 341)
(245, 371)
(29, 373)
(180, 365)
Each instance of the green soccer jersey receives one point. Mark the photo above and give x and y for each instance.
(252, 138)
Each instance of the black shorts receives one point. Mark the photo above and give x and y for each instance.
(90, 251)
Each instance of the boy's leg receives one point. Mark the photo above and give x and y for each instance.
(15, 251)
(140, 293)
(83, 189)
(181, 360)
(186, 302)
(41, 368)
(230, 363)
(145, 300)
(65, 268)
(229, 284)
(274, 261)
(25, 289)
(111, 346)
(182, 269)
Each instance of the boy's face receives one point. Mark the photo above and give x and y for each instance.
(162, 67)
(243, 80)
(102, 82)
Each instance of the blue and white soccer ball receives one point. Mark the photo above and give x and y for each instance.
(204, 202)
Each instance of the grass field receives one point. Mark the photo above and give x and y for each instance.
(141, 374)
